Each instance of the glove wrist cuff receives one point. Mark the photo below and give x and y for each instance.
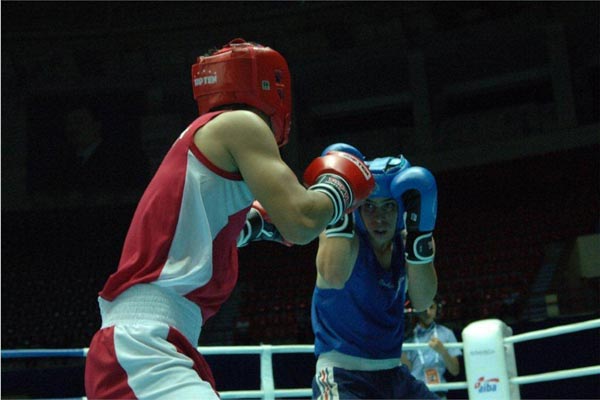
(252, 228)
(419, 247)
(338, 191)
(342, 228)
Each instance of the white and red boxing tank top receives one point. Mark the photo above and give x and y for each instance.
(184, 230)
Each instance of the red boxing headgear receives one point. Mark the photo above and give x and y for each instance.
(246, 73)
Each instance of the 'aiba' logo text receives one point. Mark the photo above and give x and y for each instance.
(486, 385)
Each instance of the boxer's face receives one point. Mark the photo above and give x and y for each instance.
(379, 216)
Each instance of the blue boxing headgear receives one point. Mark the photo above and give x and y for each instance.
(384, 170)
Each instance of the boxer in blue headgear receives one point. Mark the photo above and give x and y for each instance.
(384, 170)
(365, 269)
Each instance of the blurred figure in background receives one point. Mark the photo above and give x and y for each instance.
(430, 365)
(103, 167)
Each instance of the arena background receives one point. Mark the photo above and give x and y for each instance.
(498, 99)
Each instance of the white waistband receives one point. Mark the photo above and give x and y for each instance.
(151, 303)
(340, 360)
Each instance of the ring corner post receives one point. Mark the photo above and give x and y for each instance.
(489, 362)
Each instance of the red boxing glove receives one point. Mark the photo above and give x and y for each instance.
(259, 227)
(344, 178)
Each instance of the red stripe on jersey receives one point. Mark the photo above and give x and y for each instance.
(234, 176)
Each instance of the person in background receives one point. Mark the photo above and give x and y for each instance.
(221, 185)
(364, 271)
(102, 167)
(429, 365)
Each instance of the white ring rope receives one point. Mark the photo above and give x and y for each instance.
(554, 331)
(557, 375)
(266, 351)
(277, 349)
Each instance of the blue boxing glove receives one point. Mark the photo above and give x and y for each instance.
(346, 148)
(415, 187)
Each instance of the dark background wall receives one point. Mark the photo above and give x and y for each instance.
(498, 99)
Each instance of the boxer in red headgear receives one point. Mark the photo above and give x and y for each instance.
(250, 74)
(221, 185)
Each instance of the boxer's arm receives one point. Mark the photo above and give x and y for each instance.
(422, 284)
(416, 188)
(335, 260)
(242, 141)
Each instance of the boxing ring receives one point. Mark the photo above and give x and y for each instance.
(487, 350)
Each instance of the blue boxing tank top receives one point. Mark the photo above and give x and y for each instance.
(365, 318)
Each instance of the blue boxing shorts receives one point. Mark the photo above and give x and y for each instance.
(333, 383)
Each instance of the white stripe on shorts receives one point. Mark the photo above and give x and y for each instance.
(154, 367)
